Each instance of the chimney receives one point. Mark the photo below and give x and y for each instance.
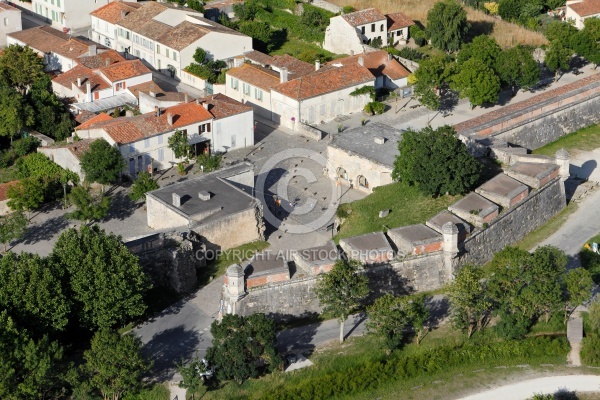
(176, 200)
(88, 87)
(205, 104)
(317, 65)
(123, 14)
(170, 119)
(79, 81)
(389, 56)
(361, 61)
(204, 195)
(351, 52)
(283, 75)
(198, 101)
(107, 62)
(185, 97)
(92, 50)
(156, 111)
(152, 94)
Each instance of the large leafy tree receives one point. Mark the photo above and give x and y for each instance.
(29, 368)
(15, 112)
(477, 82)
(341, 290)
(26, 195)
(51, 116)
(20, 67)
(558, 57)
(586, 46)
(469, 302)
(483, 48)
(579, 285)
(32, 292)
(106, 281)
(114, 364)
(562, 31)
(436, 161)
(239, 343)
(190, 372)
(447, 25)
(142, 185)
(178, 143)
(89, 207)
(510, 10)
(517, 68)
(102, 163)
(12, 227)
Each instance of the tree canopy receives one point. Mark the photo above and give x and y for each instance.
(142, 185)
(178, 143)
(88, 207)
(12, 226)
(516, 67)
(477, 82)
(436, 161)
(470, 305)
(20, 67)
(15, 112)
(447, 25)
(102, 163)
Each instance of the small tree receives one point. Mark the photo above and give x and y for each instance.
(517, 68)
(477, 82)
(446, 25)
(341, 290)
(102, 163)
(12, 227)
(20, 67)
(142, 185)
(178, 143)
(15, 113)
(470, 305)
(190, 372)
(558, 57)
(579, 285)
(27, 195)
(89, 207)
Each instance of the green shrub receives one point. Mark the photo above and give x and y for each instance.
(411, 54)
(512, 326)
(25, 146)
(418, 34)
(209, 162)
(348, 10)
(591, 262)
(590, 350)
(375, 107)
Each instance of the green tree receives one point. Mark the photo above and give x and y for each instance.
(558, 57)
(102, 163)
(12, 227)
(142, 185)
(190, 372)
(579, 285)
(583, 44)
(509, 10)
(30, 369)
(32, 292)
(594, 316)
(114, 364)
(560, 31)
(20, 67)
(447, 25)
(106, 281)
(426, 95)
(477, 82)
(483, 48)
(200, 56)
(471, 308)
(341, 290)
(195, 5)
(517, 68)
(436, 161)
(591, 27)
(15, 113)
(265, 38)
(246, 11)
(89, 207)
(239, 343)
(26, 195)
(178, 143)
(548, 269)
(312, 17)
(51, 116)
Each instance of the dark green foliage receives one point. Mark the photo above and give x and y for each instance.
(210, 162)
(89, 207)
(436, 161)
(312, 17)
(20, 67)
(517, 68)
(375, 107)
(561, 31)
(102, 163)
(190, 372)
(447, 25)
(178, 142)
(512, 326)
(477, 82)
(370, 376)
(411, 54)
(558, 57)
(376, 43)
(15, 112)
(51, 116)
(483, 48)
(265, 38)
(27, 145)
(370, 90)
(205, 68)
(12, 227)
(142, 185)
(591, 262)
(26, 195)
(418, 34)
(509, 10)
(348, 9)
(586, 46)
(426, 95)
(246, 11)
(470, 304)
(590, 350)
(239, 343)
(106, 281)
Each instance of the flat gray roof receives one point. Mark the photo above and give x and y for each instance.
(326, 254)
(474, 203)
(534, 170)
(415, 234)
(438, 221)
(361, 142)
(504, 186)
(370, 241)
(266, 263)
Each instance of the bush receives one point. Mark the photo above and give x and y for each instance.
(512, 326)
(590, 351)
(418, 34)
(26, 145)
(591, 262)
(411, 54)
(348, 10)
(375, 107)
(209, 162)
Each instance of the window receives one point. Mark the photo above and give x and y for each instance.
(381, 28)
(58, 3)
(120, 86)
(234, 84)
(258, 94)
(372, 27)
(203, 128)
(246, 88)
(161, 154)
(53, 16)
(167, 53)
(174, 56)
(5, 21)
(159, 139)
(146, 143)
(158, 48)
(52, 2)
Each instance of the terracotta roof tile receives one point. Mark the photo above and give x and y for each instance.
(363, 17)
(84, 116)
(101, 59)
(398, 21)
(7, 7)
(95, 119)
(256, 75)
(4, 188)
(221, 106)
(72, 49)
(296, 68)
(182, 35)
(378, 63)
(325, 80)
(42, 38)
(259, 58)
(124, 70)
(586, 7)
(137, 18)
(112, 12)
(79, 71)
(159, 92)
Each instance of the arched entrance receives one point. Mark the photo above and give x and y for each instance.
(362, 182)
(342, 173)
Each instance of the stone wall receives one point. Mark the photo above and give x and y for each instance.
(513, 224)
(355, 166)
(235, 229)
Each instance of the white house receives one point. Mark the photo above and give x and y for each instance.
(252, 84)
(10, 21)
(103, 21)
(348, 33)
(67, 15)
(579, 10)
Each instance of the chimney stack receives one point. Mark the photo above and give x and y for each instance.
(170, 119)
(198, 101)
(123, 14)
(185, 97)
(92, 50)
(204, 195)
(152, 94)
(176, 200)
(361, 61)
(88, 87)
(79, 81)
(107, 62)
(205, 104)
(317, 65)
(283, 75)
(389, 56)
(156, 111)
(351, 52)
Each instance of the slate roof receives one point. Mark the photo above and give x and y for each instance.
(398, 21)
(221, 106)
(41, 38)
(112, 12)
(586, 7)
(124, 70)
(378, 63)
(363, 17)
(256, 75)
(324, 81)
(69, 78)
(99, 60)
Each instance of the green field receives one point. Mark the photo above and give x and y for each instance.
(583, 139)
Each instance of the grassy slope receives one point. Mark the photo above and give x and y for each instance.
(583, 139)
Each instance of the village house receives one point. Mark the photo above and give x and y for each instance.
(67, 15)
(10, 21)
(579, 10)
(349, 33)
(104, 19)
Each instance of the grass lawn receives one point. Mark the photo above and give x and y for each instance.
(305, 51)
(544, 231)
(227, 257)
(408, 206)
(583, 139)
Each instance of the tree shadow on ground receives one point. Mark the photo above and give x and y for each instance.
(121, 206)
(478, 28)
(297, 338)
(38, 232)
(168, 348)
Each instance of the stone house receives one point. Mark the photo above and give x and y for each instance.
(349, 33)
(219, 207)
(578, 11)
(10, 21)
(364, 156)
(68, 156)
(66, 15)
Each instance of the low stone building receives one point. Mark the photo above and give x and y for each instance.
(265, 268)
(219, 207)
(475, 209)
(534, 175)
(415, 239)
(372, 248)
(439, 220)
(317, 260)
(364, 156)
(68, 156)
(503, 190)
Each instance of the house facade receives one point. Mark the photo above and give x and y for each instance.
(103, 28)
(251, 84)
(579, 10)
(10, 21)
(67, 15)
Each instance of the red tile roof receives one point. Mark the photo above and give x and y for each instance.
(7, 7)
(95, 119)
(259, 58)
(101, 59)
(124, 70)
(4, 188)
(255, 75)
(79, 147)
(72, 49)
(379, 63)
(112, 12)
(221, 106)
(131, 129)
(363, 17)
(586, 7)
(296, 68)
(41, 38)
(325, 80)
(87, 75)
(398, 21)
(159, 92)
